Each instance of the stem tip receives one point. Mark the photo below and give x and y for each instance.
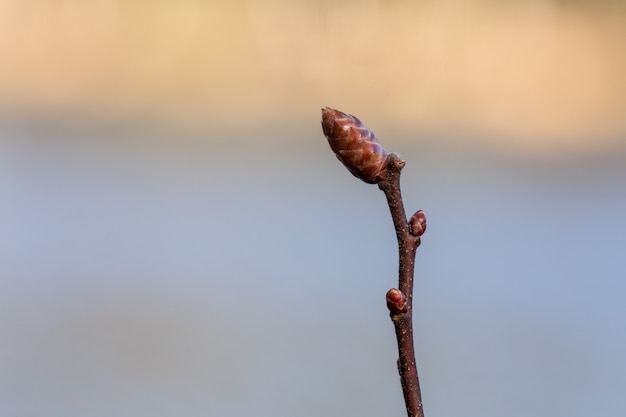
(355, 145)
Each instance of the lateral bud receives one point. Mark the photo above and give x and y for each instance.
(354, 145)
(397, 302)
(417, 223)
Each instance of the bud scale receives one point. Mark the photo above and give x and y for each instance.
(355, 145)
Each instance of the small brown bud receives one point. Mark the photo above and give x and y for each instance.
(396, 302)
(417, 224)
(354, 145)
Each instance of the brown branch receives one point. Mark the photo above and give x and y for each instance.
(358, 149)
(402, 309)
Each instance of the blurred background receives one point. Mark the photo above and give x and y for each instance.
(178, 239)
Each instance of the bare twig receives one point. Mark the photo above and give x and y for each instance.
(358, 149)
(401, 311)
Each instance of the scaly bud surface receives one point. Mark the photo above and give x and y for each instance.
(397, 302)
(417, 223)
(354, 145)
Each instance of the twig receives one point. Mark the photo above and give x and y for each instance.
(358, 149)
(400, 301)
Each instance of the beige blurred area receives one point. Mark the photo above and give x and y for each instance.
(534, 77)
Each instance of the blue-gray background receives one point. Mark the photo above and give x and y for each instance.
(241, 270)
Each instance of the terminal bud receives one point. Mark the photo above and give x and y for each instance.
(354, 145)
